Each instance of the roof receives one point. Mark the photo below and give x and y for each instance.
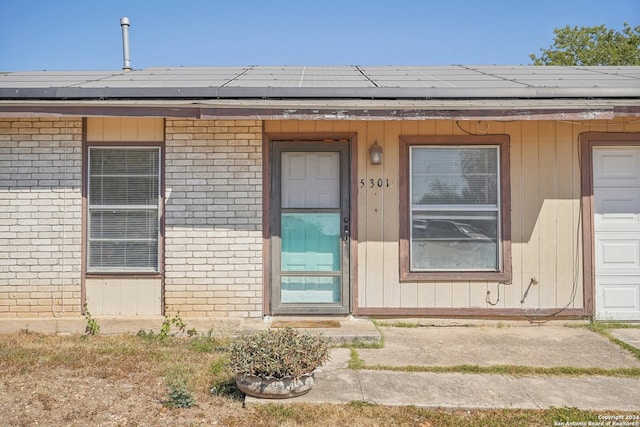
(276, 91)
(390, 82)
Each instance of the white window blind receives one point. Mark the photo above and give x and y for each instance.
(123, 203)
(455, 211)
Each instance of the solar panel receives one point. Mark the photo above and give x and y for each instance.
(445, 81)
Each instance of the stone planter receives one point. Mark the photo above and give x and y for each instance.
(274, 388)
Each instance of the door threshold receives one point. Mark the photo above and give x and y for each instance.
(306, 323)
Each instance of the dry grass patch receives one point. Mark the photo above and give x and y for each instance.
(106, 380)
(364, 414)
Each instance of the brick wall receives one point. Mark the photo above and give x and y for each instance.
(40, 217)
(213, 237)
(213, 227)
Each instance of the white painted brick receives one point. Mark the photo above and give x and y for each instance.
(211, 179)
(34, 245)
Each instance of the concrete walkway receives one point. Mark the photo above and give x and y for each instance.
(444, 343)
(534, 346)
(337, 384)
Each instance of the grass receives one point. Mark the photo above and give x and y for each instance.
(75, 380)
(514, 370)
(365, 413)
(355, 362)
(398, 324)
(109, 357)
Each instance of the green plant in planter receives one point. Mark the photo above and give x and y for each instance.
(279, 353)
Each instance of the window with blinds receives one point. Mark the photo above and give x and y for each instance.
(454, 208)
(123, 204)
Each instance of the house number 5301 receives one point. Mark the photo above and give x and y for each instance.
(372, 183)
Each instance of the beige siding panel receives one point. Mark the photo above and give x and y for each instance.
(363, 273)
(567, 211)
(111, 128)
(342, 126)
(150, 128)
(633, 126)
(548, 215)
(478, 294)
(426, 127)
(125, 129)
(460, 294)
(290, 126)
(124, 296)
(324, 126)
(531, 207)
(273, 126)
(493, 127)
(444, 127)
(443, 295)
(375, 220)
(128, 129)
(95, 129)
(306, 126)
(425, 294)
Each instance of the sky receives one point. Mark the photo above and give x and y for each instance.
(86, 34)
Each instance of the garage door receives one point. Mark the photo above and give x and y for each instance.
(616, 179)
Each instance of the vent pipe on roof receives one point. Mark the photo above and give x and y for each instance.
(124, 23)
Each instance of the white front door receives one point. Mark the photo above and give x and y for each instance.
(616, 191)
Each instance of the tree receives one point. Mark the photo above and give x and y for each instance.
(592, 46)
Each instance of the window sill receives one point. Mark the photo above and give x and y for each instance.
(131, 274)
(455, 276)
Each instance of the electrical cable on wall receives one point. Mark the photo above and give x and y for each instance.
(488, 297)
(485, 130)
(576, 275)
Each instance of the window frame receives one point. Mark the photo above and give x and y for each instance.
(103, 272)
(503, 272)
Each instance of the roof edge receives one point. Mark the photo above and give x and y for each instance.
(570, 110)
(268, 92)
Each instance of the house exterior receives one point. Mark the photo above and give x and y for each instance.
(262, 191)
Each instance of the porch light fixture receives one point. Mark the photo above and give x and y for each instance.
(375, 153)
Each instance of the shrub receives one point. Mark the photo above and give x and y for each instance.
(279, 353)
(93, 327)
(179, 397)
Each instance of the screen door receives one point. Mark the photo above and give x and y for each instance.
(310, 228)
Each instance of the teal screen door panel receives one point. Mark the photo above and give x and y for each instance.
(310, 270)
(310, 242)
(304, 289)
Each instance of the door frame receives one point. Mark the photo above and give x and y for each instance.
(267, 170)
(587, 142)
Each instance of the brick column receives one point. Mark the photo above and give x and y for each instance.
(40, 216)
(213, 208)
